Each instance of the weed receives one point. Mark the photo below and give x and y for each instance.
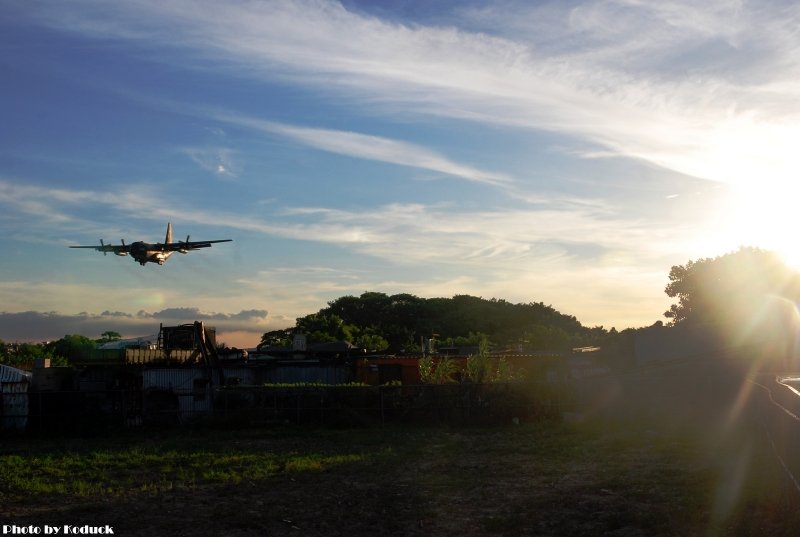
(542, 479)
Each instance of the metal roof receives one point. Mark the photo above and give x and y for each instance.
(12, 374)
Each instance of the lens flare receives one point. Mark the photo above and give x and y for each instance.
(762, 214)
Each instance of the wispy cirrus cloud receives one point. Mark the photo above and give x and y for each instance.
(707, 90)
(218, 161)
(554, 226)
(608, 74)
(47, 206)
(370, 147)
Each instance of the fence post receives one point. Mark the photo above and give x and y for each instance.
(383, 417)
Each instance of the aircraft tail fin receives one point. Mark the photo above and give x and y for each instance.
(168, 240)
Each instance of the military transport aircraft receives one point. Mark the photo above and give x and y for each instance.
(144, 252)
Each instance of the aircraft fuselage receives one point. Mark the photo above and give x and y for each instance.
(144, 252)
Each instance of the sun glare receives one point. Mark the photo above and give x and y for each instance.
(765, 215)
(756, 159)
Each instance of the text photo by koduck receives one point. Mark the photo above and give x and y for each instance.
(66, 529)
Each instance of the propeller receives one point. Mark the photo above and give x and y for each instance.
(102, 245)
(123, 252)
(185, 250)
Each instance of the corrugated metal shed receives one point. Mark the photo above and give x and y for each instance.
(188, 385)
(14, 390)
(242, 375)
(12, 374)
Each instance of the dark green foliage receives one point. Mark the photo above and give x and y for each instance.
(323, 326)
(402, 321)
(23, 355)
(73, 347)
(277, 338)
(618, 349)
(109, 335)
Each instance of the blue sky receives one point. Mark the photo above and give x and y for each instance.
(562, 152)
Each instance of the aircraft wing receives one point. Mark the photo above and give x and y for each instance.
(120, 249)
(185, 246)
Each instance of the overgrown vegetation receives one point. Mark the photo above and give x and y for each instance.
(25, 354)
(479, 368)
(437, 371)
(61, 352)
(401, 323)
(528, 480)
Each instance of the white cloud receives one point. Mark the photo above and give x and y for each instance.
(708, 91)
(215, 160)
(24, 197)
(619, 75)
(403, 233)
(370, 147)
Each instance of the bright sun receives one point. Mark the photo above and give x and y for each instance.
(765, 215)
(758, 160)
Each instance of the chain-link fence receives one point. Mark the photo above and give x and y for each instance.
(336, 405)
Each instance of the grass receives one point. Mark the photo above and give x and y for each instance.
(118, 471)
(555, 479)
(661, 461)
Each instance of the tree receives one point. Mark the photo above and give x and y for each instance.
(402, 320)
(22, 354)
(729, 289)
(323, 327)
(547, 338)
(372, 342)
(277, 338)
(73, 347)
(471, 340)
(110, 335)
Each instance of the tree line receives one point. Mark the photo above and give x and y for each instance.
(746, 291)
(402, 322)
(60, 352)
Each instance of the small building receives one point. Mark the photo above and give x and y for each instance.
(14, 392)
(183, 393)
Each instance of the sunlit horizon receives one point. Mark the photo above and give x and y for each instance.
(565, 154)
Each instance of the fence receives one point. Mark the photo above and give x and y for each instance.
(342, 405)
(367, 405)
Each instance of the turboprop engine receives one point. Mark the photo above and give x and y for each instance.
(119, 253)
(183, 250)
